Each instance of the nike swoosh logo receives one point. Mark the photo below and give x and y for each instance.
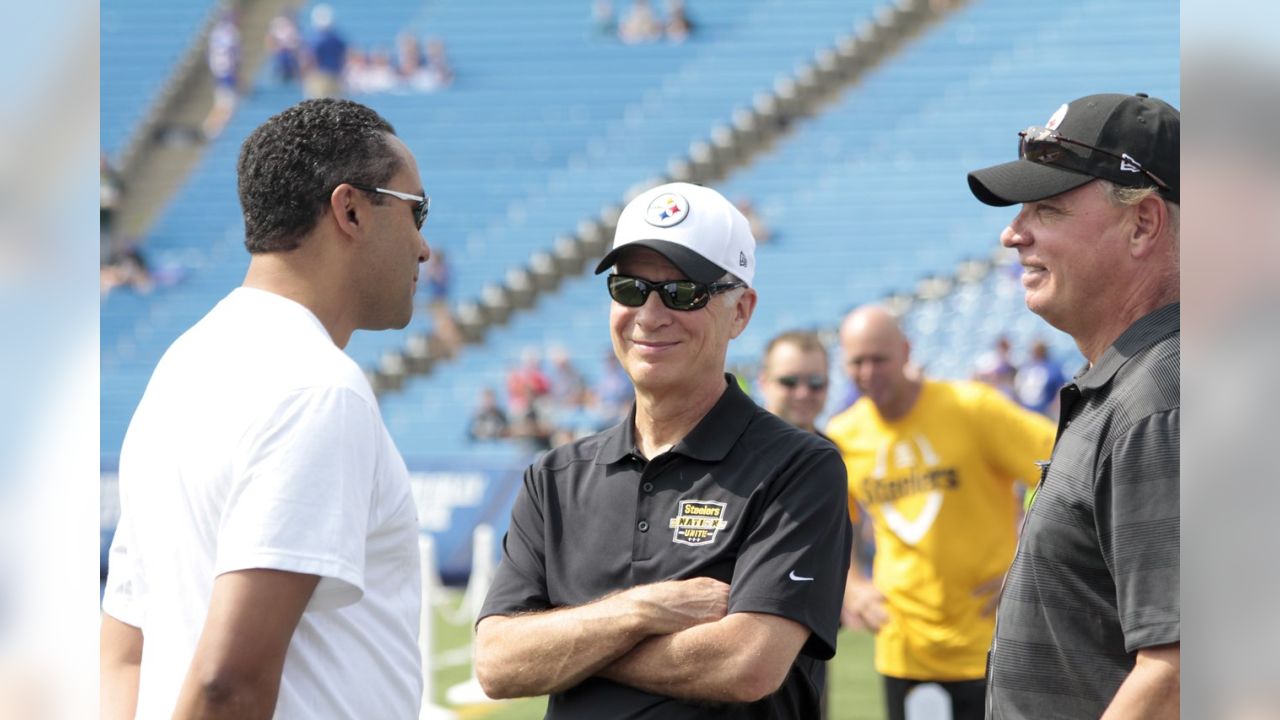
(797, 578)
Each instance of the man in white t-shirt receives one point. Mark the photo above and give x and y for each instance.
(266, 561)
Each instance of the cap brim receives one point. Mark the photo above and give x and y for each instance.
(1023, 181)
(693, 265)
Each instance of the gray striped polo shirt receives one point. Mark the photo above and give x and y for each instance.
(1095, 577)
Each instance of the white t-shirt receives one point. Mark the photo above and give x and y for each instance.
(259, 444)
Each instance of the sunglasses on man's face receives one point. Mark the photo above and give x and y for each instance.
(813, 382)
(683, 295)
(1047, 147)
(422, 203)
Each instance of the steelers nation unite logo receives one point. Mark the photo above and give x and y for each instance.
(666, 210)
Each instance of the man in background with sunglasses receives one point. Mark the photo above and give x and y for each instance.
(266, 558)
(1090, 621)
(688, 562)
(793, 378)
(933, 464)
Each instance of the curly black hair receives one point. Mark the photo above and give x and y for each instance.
(290, 165)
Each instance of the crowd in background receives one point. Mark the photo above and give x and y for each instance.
(328, 65)
(641, 23)
(550, 403)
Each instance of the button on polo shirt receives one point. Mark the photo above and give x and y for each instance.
(744, 498)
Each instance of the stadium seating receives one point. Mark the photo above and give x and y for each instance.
(870, 197)
(518, 151)
(547, 124)
(142, 43)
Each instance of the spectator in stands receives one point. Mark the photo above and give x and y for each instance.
(1093, 594)
(380, 75)
(933, 464)
(527, 382)
(613, 392)
(488, 422)
(439, 69)
(604, 19)
(438, 286)
(355, 72)
(679, 27)
(1039, 380)
(640, 25)
(531, 419)
(126, 267)
(645, 572)
(411, 64)
(266, 513)
(284, 46)
(996, 367)
(793, 378)
(224, 63)
(325, 56)
(568, 387)
(409, 56)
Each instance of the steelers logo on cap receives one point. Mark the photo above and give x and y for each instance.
(1058, 117)
(666, 210)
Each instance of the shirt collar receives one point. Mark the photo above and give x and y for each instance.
(709, 441)
(1147, 331)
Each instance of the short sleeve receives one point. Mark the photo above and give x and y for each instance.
(1139, 529)
(124, 597)
(520, 582)
(837, 431)
(796, 556)
(1014, 438)
(301, 491)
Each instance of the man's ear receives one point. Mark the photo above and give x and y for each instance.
(742, 310)
(346, 209)
(1150, 221)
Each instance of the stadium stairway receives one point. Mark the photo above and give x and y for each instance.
(544, 125)
(869, 198)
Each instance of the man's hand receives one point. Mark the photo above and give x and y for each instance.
(864, 606)
(546, 652)
(990, 592)
(675, 605)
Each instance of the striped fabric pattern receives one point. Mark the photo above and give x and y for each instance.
(1096, 576)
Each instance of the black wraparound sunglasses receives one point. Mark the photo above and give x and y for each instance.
(422, 203)
(813, 382)
(683, 295)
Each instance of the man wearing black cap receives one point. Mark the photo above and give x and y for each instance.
(689, 562)
(1089, 624)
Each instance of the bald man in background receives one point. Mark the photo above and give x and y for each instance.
(933, 464)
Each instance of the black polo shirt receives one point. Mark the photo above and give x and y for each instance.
(745, 498)
(1096, 575)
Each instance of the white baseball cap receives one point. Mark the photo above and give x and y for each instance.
(692, 226)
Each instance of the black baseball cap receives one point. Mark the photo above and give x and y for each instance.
(1130, 140)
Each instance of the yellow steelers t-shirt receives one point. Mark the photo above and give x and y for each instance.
(938, 485)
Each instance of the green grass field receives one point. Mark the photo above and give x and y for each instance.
(852, 684)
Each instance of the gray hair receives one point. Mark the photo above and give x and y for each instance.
(1122, 196)
(731, 296)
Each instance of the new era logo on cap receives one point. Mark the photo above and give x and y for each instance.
(693, 227)
(1130, 140)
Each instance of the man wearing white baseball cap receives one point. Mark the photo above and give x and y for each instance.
(688, 562)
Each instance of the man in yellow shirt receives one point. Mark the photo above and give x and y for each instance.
(934, 465)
